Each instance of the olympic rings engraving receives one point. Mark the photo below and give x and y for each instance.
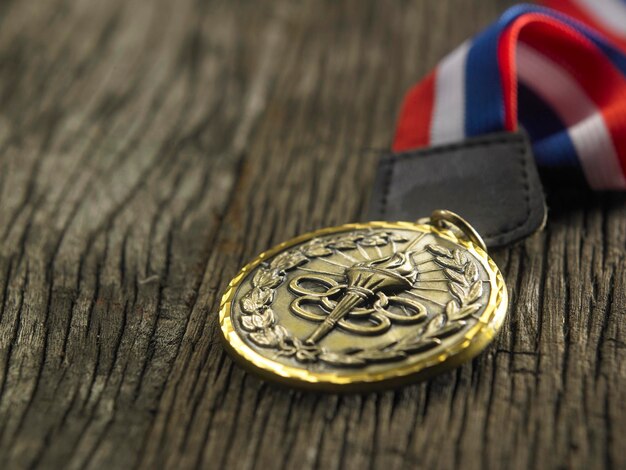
(322, 292)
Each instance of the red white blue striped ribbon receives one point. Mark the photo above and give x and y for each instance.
(560, 75)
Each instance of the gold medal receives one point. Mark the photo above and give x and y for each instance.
(365, 306)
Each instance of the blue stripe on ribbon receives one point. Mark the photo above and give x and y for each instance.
(483, 88)
(484, 102)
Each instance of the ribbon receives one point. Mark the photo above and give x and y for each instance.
(559, 73)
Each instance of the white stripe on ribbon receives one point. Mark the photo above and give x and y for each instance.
(610, 13)
(586, 126)
(448, 122)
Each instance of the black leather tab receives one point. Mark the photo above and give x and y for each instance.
(491, 181)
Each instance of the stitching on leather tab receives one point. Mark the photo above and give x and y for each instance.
(510, 140)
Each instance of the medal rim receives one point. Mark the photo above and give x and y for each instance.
(474, 340)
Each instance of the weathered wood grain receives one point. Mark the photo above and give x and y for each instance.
(147, 149)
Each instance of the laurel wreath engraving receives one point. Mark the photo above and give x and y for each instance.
(259, 321)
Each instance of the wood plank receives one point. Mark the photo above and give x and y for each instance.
(148, 149)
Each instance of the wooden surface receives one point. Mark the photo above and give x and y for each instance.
(148, 149)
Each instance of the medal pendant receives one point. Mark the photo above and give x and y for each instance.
(365, 306)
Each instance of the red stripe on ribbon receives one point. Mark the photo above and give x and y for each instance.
(570, 8)
(413, 129)
(508, 73)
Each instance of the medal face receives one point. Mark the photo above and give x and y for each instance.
(363, 306)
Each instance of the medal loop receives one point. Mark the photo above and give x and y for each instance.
(440, 218)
